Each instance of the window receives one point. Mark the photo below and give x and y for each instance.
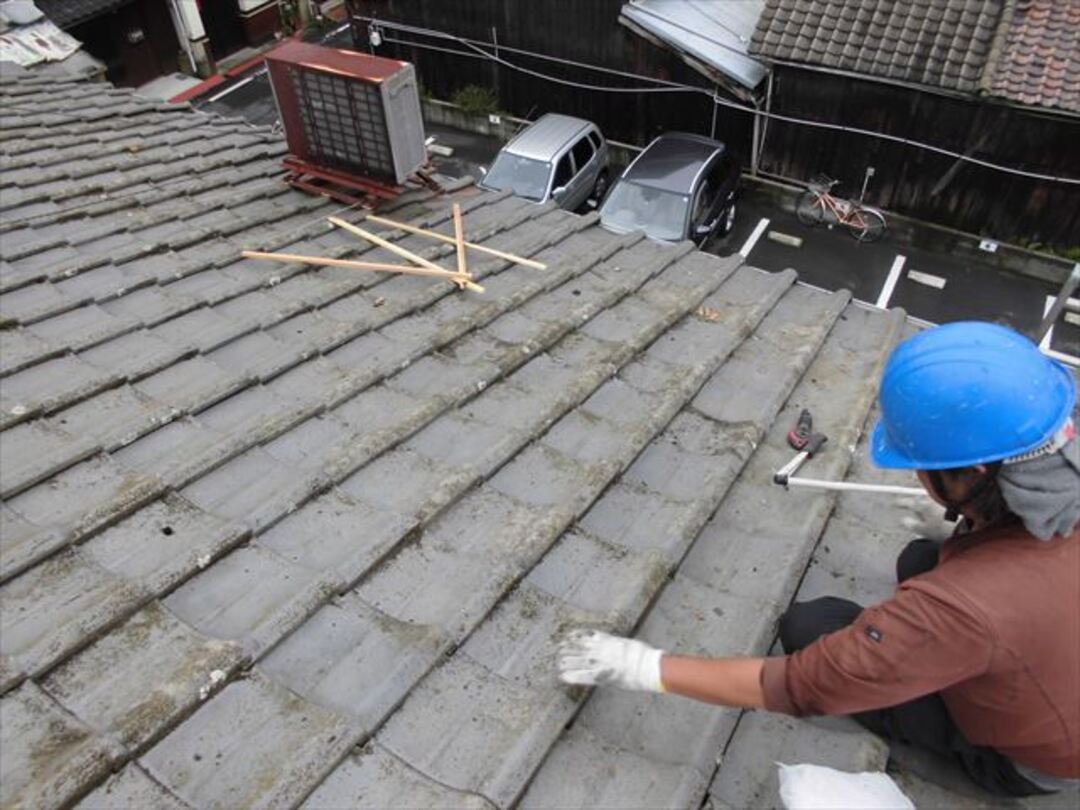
(594, 138)
(583, 152)
(523, 176)
(630, 207)
(564, 172)
(703, 203)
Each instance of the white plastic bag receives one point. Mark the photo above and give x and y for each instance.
(815, 787)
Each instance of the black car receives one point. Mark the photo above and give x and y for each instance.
(681, 187)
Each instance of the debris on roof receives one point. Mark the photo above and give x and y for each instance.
(276, 534)
(38, 42)
(29, 41)
(715, 40)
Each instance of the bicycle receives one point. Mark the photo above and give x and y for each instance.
(863, 222)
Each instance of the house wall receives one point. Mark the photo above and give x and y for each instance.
(135, 41)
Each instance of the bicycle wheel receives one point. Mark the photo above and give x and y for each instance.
(809, 209)
(867, 225)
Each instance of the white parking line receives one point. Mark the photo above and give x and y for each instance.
(1067, 316)
(744, 251)
(890, 282)
(236, 86)
(937, 282)
(1044, 344)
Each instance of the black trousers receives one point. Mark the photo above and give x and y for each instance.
(924, 722)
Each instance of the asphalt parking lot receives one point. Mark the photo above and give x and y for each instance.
(934, 287)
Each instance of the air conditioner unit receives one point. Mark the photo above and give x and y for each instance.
(349, 112)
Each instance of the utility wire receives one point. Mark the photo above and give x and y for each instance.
(674, 87)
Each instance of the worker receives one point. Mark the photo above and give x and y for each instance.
(976, 656)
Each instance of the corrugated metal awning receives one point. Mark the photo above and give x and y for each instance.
(713, 37)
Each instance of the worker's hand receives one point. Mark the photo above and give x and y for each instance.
(592, 658)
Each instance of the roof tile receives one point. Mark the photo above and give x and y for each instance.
(350, 488)
(838, 32)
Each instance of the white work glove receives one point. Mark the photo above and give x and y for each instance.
(592, 658)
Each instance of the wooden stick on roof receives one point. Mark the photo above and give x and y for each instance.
(386, 245)
(376, 266)
(459, 238)
(510, 257)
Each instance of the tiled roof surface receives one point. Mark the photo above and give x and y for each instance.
(932, 42)
(67, 13)
(1039, 56)
(274, 535)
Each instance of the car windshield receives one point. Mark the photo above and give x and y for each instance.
(661, 214)
(522, 176)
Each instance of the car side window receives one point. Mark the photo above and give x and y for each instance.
(703, 201)
(594, 138)
(583, 152)
(564, 172)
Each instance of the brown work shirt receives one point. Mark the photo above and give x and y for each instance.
(994, 628)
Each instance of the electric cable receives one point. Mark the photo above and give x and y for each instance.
(717, 100)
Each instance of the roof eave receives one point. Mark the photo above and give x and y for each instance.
(730, 83)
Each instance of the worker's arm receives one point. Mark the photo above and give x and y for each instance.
(726, 681)
(593, 658)
(916, 643)
(920, 641)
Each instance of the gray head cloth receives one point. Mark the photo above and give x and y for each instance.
(1043, 487)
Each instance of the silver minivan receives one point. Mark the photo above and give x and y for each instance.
(556, 158)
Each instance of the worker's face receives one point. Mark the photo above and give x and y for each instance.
(924, 479)
(957, 484)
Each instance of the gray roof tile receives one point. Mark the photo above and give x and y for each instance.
(375, 775)
(354, 660)
(487, 746)
(163, 544)
(20, 348)
(49, 386)
(131, 788)
(54, 608)
(316, 501)
(34, 451)
(49, 757)
(208, 758)
(252, 596)
(837, 32)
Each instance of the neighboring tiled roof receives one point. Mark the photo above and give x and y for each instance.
(1038, 60)
(931, 42)
(273, 534)
(68, 13)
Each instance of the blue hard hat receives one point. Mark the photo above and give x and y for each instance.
(968, 393)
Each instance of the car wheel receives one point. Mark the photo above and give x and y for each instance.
(728, 221)
(601, 187)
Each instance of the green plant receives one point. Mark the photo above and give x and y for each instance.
(1071, 253)
(289, 15)
(475, 99)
